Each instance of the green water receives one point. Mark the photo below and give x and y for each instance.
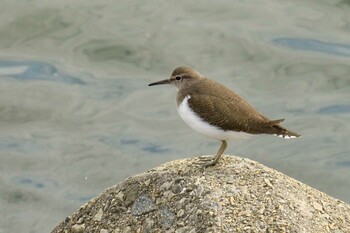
(76, 115)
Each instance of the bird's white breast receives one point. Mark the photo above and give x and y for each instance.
(196, 123)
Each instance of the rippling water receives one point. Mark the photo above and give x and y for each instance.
(76, 115)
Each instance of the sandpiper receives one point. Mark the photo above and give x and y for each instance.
(217, 112)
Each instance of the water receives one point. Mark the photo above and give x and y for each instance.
(76, 115)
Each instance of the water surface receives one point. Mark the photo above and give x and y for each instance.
(76, 115)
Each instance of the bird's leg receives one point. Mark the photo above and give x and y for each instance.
(218, 155)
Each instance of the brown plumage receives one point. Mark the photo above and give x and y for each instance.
(221, 107)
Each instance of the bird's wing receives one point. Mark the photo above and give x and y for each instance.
(235, 115)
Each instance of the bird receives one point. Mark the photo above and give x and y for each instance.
(217, 112)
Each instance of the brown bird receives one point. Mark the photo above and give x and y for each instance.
(217, 112)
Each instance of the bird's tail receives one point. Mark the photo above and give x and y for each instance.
(279, 131)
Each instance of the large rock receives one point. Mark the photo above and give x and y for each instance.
(236, 195)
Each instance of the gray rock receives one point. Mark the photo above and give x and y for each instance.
(236, 195)
(167, 217)
(142, 205)
(185, 229)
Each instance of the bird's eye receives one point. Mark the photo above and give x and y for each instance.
(178, 78)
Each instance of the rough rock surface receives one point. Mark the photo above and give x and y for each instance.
(236, 195)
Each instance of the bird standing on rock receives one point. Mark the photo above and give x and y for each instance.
(217, 112)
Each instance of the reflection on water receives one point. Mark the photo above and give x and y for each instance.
(314, 45)
(334, 109)
(76, 115)
(29, 71)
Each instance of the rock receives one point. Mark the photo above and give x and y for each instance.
(166, 217)
(236, 195)
(98, 216)
(142, 205)
(76, 228)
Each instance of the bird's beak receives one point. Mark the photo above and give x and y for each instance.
(165, 81)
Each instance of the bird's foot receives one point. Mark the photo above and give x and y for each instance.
(205, 158)
(206, 161)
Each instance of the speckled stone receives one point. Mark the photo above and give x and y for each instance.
(236, 195)
(167, 217)
(143, 204)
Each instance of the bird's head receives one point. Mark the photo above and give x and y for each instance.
(181, 77)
